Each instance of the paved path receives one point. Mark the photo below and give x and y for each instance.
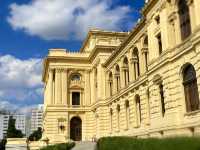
(85, 146)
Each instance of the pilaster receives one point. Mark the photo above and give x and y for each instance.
(64, 86)
(51, 86)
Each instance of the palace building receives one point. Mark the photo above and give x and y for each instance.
(143, 83)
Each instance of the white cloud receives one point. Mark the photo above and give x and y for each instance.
(20, 79)
(66, 19)
(6, 105)
(12, 107)
(26, 109)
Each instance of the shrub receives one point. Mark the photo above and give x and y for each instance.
(64, 146)
(128, 143)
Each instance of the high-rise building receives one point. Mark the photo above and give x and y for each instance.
(3, 125)
(20, 120)
(36, 118)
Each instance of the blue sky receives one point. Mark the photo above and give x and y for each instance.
(28, 28)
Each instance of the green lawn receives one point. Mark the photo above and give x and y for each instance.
(127, 143)
(64, 146)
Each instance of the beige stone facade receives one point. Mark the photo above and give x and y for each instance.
(143, 83)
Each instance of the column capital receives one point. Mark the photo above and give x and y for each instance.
(134, 60)
(59, 69)
(145, 50)
(124, 68)
(51, 69)
(116, 75)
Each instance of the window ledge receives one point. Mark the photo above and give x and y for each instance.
(192, 113)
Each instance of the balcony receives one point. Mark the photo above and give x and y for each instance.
(76, 83)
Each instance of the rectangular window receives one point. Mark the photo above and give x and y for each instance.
(75, 98)
(159, 39)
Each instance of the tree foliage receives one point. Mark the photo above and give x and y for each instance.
(36, 135)
(3, 144)
(12, 132)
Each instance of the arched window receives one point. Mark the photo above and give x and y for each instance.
(145, 52)
(190, 88)
(148, 105)
(127, 113)
(76, 77)
(95, 82)
(136, 63)
(110, 82)
(111, 120)
(126, 71)
(162, 99)
(95, 77)
(184, 16)
(138, 109)
(118, 117)
(117, 76)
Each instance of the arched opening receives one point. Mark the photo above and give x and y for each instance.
(184, 17)
(118, 117)
(190, 88)
(127, 114)
(117, 76)
(145, 51)
(95, 82)
(110, 82)
(162, 99)
(111, 120)
(138, 110)
(126, 71)
(76, 129)
(136, 64)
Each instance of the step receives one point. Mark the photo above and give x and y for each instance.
(85, 146)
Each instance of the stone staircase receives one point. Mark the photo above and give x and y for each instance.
(85, 146)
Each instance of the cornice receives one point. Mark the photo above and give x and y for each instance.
(132, 34)
(101, 32)
(86, 60)
(147, 7)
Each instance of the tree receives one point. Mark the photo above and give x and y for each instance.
(36, 135)
(3, 144)
(12, 132)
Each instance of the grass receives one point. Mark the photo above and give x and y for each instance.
(128, 143)
(64, 146)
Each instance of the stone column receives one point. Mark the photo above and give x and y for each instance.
(122, 77)
(108, 88)
(87, 87)
(64, 87)
(134, 61)
(51, 86)
(197, 8)
(192, 14)
(131, 71)
(58, 92)
(145, 58)
(114, 84)
(177, 28)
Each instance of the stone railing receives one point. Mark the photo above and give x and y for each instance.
(78, 83)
